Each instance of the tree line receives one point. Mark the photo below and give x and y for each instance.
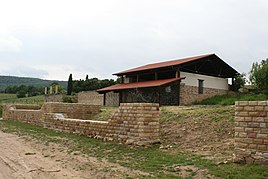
(24, 90)
(89, 84)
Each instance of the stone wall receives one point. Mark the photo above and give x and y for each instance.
(23, 112)
(90, 97)
(189, 94)
(54, 98)
(251, 132)
(72, 110)
(94, 98)
(33, 113)
(133, 123)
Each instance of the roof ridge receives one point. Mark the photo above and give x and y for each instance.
(147, 66)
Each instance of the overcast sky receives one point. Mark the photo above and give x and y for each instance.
(50, 39)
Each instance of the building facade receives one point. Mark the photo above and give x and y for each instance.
(175, 82)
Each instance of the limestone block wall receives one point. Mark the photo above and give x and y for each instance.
(54, 98)
(133, 123)
(251, 132)
(72, 110)
(34, 114)
(90, 97)
(23, 112)
(189, 94)
(94, 98)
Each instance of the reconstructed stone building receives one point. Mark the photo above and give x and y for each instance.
(175, 82)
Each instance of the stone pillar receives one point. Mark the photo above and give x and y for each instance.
(45, 90)
(57, 89)
(51, 90)
(251, 132)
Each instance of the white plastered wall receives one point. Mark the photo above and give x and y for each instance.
(209, 81)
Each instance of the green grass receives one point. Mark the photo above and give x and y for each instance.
(158, 163)
(12, 98)
(229, 99)
(4, 96)
(213, 113)
(105, 114)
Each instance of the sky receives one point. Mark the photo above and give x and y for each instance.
(50, 39)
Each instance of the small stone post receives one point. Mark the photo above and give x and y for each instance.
(51, 90)
(45, 90)
(57, 89)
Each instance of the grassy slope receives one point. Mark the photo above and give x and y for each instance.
(160, 163)
(229, 99)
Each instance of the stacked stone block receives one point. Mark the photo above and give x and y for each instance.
(72, 110)
(94, 98)
(251, 132)
(90, 97)
(23, 112)
(54, 98)
(133, 123)
(189, 94)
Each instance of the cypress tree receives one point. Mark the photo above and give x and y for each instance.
(70, 85)
(86, 77)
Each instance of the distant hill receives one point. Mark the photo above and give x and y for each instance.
(14, 80)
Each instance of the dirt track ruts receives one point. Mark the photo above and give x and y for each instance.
(21, 158)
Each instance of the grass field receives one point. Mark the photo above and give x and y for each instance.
(160, 163)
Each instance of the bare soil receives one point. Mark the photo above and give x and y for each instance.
(27, 159)
(199, 131)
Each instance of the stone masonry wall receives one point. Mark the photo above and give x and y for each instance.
(33, 113)
(54, 98)
(94, 98)
(189, 94)
(26, 113)
(90, 97)
(133, 123)
(72, 110)
(251, 132)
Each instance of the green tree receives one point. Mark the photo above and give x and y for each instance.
(259, 75)
(70, 85)
(21, 94)
(239, 81)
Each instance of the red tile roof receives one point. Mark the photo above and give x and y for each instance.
(163, 64)
(142, 84)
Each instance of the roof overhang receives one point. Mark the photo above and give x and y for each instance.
(209, 64)
(143, 84)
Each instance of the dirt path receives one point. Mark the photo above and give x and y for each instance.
(22, 158)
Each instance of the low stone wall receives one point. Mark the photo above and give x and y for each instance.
(94, 98)
(33, 113)
(26, 113)
(189, 94)
(54, 98)
(90, 97)
(251, 132)
(72, 110)
(133, 123)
